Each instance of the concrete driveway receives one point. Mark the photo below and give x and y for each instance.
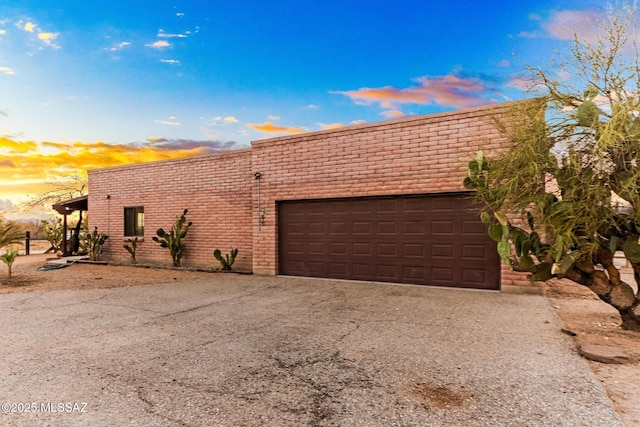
(235, 350)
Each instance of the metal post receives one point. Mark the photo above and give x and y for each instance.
(64, 235)
(27, 243)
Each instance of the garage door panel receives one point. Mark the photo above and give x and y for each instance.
(297, 267)
(338, 207)
(442, 251)
(296, 228)
(316, 248)
(296, 248)
(337, 249)
(338, 269)
(387, 206)
(362, 249)
(471, 275)
(474, 252)
(442, 227)
(315, 269)
(414, 205)
(413, 273)
(433, 240)
(414, 228)
(473, 228)
(314, 228)
(362, 228)
(387, 249)
(387, 272)
(362, 271)
(387, 228)
(444, 204)
(413, 250)
(442, 275)
(365, 207)
(338, 228)
(314, 210)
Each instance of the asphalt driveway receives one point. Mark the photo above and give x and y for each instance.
(235, 350)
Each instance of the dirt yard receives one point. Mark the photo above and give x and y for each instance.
(591, 320)
(595, 322)
(26, 278)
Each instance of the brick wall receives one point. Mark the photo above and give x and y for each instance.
(414, 155)
(215, 188)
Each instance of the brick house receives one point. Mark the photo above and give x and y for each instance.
(380, 201)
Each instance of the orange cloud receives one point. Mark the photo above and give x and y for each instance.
(270, 127)
(10, 146)
(27, 166)
(392, 114)
(446, 91)
(327, 126)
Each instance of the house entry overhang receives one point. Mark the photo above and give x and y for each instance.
(66, 207)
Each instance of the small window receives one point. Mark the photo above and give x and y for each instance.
(134, 221)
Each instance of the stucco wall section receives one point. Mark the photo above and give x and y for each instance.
(215, 188)
(415, 155)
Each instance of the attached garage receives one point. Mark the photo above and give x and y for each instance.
(373, 201)
(418, 239)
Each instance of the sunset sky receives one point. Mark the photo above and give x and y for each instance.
(93, 84)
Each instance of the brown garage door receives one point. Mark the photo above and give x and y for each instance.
(427, 239)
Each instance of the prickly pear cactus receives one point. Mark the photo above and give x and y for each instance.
(173, 239)
(132, 249)
(94, 242)
(227, 261)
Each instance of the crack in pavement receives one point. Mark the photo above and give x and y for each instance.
(218, 301)
(126, 306)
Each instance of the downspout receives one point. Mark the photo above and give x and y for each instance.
(257, 176)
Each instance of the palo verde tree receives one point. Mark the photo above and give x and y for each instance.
(566, 196)
(57, 189)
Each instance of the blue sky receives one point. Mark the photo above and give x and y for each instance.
(174, 78)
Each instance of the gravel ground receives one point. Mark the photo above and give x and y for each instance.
(227, 350)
